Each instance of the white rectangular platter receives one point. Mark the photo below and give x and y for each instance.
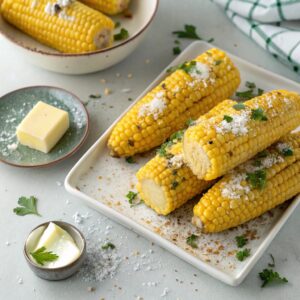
(102, 183)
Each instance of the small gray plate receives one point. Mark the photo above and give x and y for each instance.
(15, 105)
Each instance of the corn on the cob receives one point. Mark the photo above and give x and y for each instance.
(219, 143)
(68, 26)
(189, 92)
(165, 182)
(262, 183)
(110, 7)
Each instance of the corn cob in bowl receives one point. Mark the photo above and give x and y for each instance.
(267, 180)
(190, 91)
(68, 26)
(217, 144)
(110, 7)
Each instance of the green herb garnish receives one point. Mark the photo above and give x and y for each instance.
(241, 241)
(177, 136)
(257, 179)
(258, 115)
(268, 276)
(246, 95)
(186, 66)
(174, 185)
(272, 265)
(218, 62)
(262, 154)
(108, 245)
(162, 150)
(287, 152)
(228, 119)
(131, 196)
(95, 96)
(190, 122)
(122, 35)
(239, 106)
(176, 50)
(41, 256)
(27, 206)
(130, 160)
(243, 254)
(260, 92)
(189, 32)
(191, 240)
(177, 42)
(256, 163)
(117, 24)
(250, 85)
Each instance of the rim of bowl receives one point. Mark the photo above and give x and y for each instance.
(33, 49)
(73, 150)
(82, 252)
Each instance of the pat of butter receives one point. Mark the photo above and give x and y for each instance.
(43, 127)
(59, 241)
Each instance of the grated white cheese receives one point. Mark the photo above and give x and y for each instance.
(238, 125)
(200, 72)
(12, 147)
(33, 4)
(49, 9)
(282, 146)
(64, 16)
(176, 161)
(155, 107)
(233, 189)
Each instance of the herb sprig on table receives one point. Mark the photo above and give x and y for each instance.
(108, 245)
(241, 241)
(250, 93)
(41, 256)
(122, 35)
(27, 206)
(192, 240)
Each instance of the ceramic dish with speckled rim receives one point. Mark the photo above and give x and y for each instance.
(15, 105)
(27, 48)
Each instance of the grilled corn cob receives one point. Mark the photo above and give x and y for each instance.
(110, 7)
(190, 91)
(68, 26)
(262, 183)
(217, 144)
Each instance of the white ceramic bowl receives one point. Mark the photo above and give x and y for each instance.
(32, 51)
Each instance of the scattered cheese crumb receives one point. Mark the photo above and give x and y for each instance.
(129, 75)
(107, 91)
(7, 243)
(58, 183)
(176, 161)
(103, 80)
(118, 75)
(33, 4)
(155, 107)
(234, 189)
(200, 71)
(12, 147)
(282, 146)
(90, 289)
(126, 90)
(165, 292)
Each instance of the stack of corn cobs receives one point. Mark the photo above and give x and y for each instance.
(242, 154)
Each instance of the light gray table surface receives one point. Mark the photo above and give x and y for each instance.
(182, 280)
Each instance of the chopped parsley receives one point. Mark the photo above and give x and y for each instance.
(108, 245)
(189, 32)
(268, 276)
(243, 254)
(41, 256)
(262, 154)
(130, 160)
(176, 50)
(95, 96)
(27, 206)
(272, 265)
(250, 85)
(258, 114)
(190, 122)
(177, 42)
(122, 35)
(257, 179)
(228, 119)
(287, 152)
(239, 106)
(177, 136)
(246, 95)
(218, 62)
(192, 241)
(131, 196)
(186, 66)
(174, 185)
(256, 163)
(241, 241)
(117, 24)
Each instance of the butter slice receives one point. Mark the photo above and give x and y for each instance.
(43, 127)
(60, 242)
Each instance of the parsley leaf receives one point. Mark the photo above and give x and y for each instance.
(162, 151)
(241, 241)
(239, 106)
(246, 95)
(190, 122)
(176, 50)
(258, 115)
(41, 256)
(95, 96)
(262, 154)
(189, 32)
(117, 24)
(257, 179)
(250, 85)
(122, 35)
(228, 119)
(27, 206)
(243, 254)
(108, 245)
(130, 160)
(191, 240)
(218, 62)
(186, 66)
(131, 196)
(287, 152)
(268, 276)
(174, 185)
(177, 136)
(272, 265)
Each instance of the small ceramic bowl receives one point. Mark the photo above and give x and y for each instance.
(34, 52)
(61, 272)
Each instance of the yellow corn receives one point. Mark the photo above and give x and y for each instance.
(72, 28)
(253, 188)
(110, 7)
(226, 139)
(188, 92)
(165, 182)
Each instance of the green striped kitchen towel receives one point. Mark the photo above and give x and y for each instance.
(272, 24)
